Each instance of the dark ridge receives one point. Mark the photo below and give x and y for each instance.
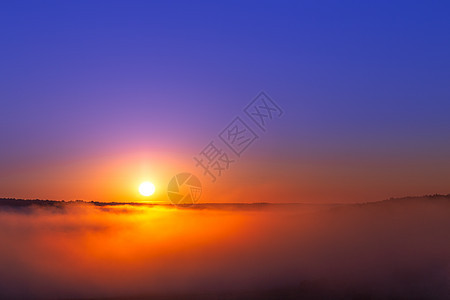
(20, 203)
(435, 198)
(23, 203)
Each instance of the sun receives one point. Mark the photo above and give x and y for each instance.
(147, 189)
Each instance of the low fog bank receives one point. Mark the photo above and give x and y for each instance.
(398, 248)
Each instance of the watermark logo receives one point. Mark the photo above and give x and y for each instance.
(184, 189)
(262, 110)
(236, 138)
(213, 161)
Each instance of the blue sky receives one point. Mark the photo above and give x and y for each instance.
(357, 79)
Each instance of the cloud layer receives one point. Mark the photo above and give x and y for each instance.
(393, 248)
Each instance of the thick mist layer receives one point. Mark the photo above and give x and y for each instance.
(398, 248)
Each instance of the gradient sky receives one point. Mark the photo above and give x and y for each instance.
(97, 97)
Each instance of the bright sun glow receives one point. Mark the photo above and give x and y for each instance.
(147, 189)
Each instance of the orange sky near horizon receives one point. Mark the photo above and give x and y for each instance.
(117, 176)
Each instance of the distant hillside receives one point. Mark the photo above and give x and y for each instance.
(392, 249)
(23, 203)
